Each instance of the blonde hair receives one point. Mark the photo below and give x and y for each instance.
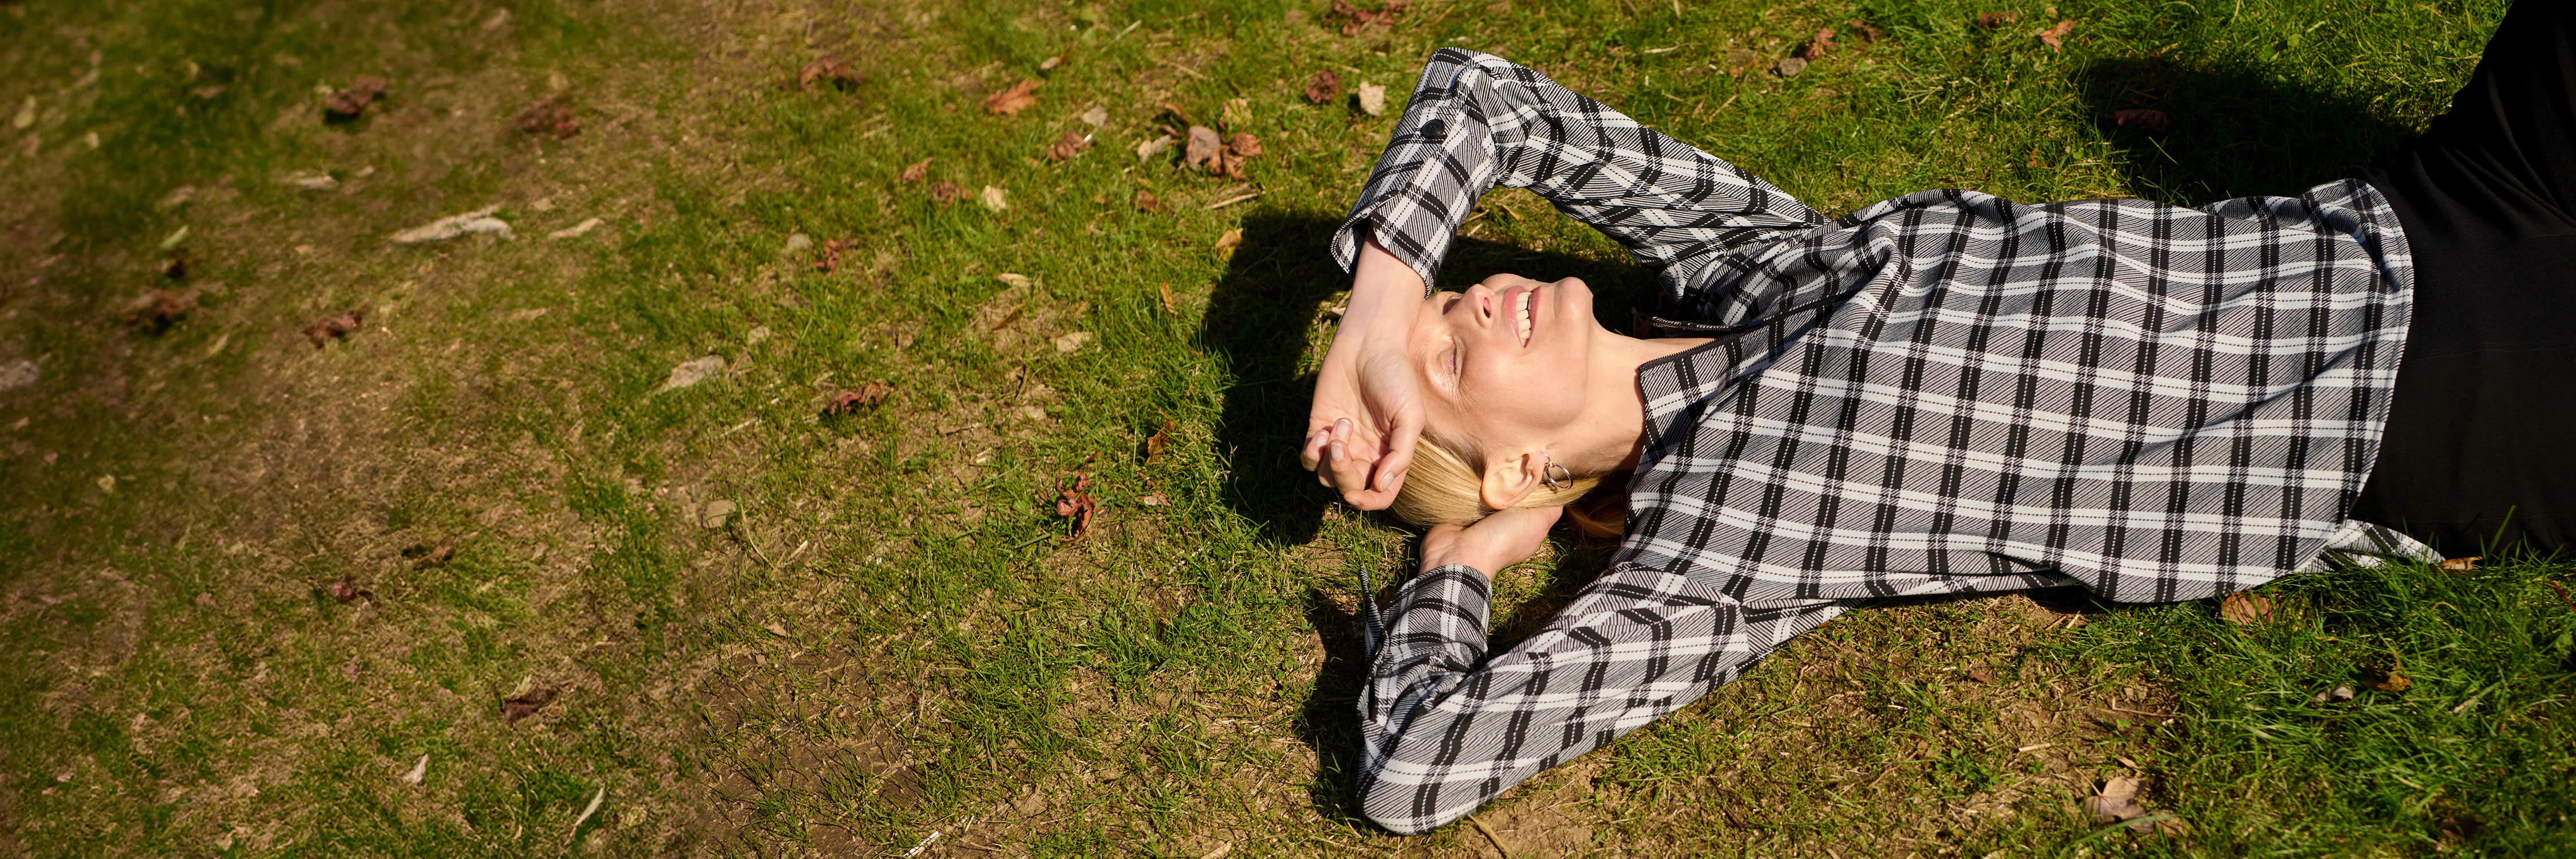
(1444, 487)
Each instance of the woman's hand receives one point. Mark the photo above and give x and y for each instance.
(1500, 540)
(1368, 413)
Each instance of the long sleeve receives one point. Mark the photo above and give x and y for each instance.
(1445, 729)
(1478, 121)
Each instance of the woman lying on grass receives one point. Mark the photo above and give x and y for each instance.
(1944, 392)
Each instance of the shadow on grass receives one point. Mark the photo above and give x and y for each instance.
(2235, 129)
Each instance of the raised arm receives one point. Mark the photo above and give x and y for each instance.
(1445, 728)
(1478, 121)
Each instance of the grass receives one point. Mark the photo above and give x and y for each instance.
(892, 635)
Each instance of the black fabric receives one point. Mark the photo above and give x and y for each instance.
(2480, 451)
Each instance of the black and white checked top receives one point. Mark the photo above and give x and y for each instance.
(1942, 392)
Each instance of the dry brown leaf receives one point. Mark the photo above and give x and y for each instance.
(1154, 499)
(1992, 20)
(1866, 32)
(525, 704)
(346, 591)
(1205, 151)
(1074, 501)
(915, 171)
(994, 198)
(1355, 19)
(2395, 683)
(553, 116)
(1244, 144)
(1230, 240)
(334, 327)
(1161, 440)
(2117, 801)
(1147, 202)
(1372, 99)
(2462, 565)
(1789, 67)
(1816, 47)
(426, 555)
(207, 93)
(1071, 144)
(2148, 121)
(1170, 305)
(2245, 608)
(154, 312)
(2053, 37)
(1323, 88)
(352, 101)
(2340, 693)
(845, 401)
(946, 192)
(1021, 96)
(1981, 675)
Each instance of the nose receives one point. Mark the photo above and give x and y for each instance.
(1480, 300)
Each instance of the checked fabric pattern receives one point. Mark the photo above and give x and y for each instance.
(1943, 392)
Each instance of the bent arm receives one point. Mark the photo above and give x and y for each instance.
(1477, 121)
(1446, 729)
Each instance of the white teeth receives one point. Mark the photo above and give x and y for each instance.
(1521, 323)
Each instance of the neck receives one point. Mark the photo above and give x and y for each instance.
(1614, 420)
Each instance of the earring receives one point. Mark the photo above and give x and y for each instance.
(1548, 474)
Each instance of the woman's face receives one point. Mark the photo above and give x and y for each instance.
(1508, 362)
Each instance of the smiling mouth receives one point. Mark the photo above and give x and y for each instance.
(1521, 315)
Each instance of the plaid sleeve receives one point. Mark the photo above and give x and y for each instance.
(1477, 121)
(1446, 729)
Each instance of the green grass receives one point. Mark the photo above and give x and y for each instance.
(894, 636)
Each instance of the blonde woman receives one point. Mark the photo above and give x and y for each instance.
(1945, 392)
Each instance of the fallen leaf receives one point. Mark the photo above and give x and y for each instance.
(995, 199)
(1981, 675)
(1096, 117)
(577, 230)
(1072, 342)
(830, 260)
(26, 115)
(2462, 565)
(716, 513)
(1866, 32)
(845, 401)
(2116, 802)
(1992, 20)
(915, 171)
(2245, 608)
(1244, 144)
(946, 192)
(1372, 99)
(1021, 96)
(18, 374)
(1816, 47)
(587, 811)
(1071, 144)
(1205, 150)
(1230, 240)
(154, 312)
(1236, 115)
(1013, 279)
(2149, 121)
(352, 101)
(313, 181)
(827, 69)
(1147, 202)
(1073, 501)
(554, 116)
(2339, 693)
(1159, 442)
(1156, 146)
(207, 93)
(336, 326)
(1323, 88)
(2395, 683)
(1049, 64)
(2053, 36)
(1355, 19)
(346, 591)
(205, 599)
(775, 629)
(419, 771)
(1170, 305)
(525, 704)
(477, 221)
(1789, 67)
(693, 371)
(425, 555)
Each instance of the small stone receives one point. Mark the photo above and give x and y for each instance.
(759, 334)
(798, 241)
(1072, 342)
(1789, 67)
(1372, 99)
(17, 374)
(1096, 117)
(716, 514)
(693, 371)
(994, 198)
